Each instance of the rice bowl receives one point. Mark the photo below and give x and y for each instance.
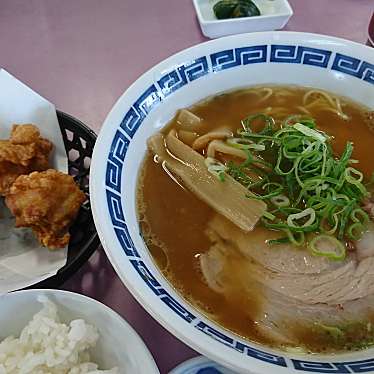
(63, 332)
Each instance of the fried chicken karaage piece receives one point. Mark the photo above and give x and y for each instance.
(26, 151)
(48, 202)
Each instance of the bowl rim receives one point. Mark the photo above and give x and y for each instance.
(97, 185)
(119, 320)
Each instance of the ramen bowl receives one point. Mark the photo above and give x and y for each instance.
(278, 58)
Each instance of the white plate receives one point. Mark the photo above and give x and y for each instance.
(336, 65)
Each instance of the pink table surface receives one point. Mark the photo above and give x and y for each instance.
(82, 54)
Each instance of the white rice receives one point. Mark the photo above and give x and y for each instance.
(47, 345)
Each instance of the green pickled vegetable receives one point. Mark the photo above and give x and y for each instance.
(224, 8)
(235, 8)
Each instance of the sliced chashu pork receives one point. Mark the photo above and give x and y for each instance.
(365, 246)
(227, 198)
(277, 315)
(283, 258)
(293, 271)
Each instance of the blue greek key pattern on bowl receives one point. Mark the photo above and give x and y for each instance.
(240, 347)
(355, 67)
(169, 83)
(117, 154)
(226, 59)
(126, 242)
(365, 366)
(239, 56)
(140, 109)
(184, 74)
(292, 54)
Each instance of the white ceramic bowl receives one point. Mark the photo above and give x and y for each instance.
(119, 345)
(274, 16)
(337, 65)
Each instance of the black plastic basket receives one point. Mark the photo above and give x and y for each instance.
(79, 142)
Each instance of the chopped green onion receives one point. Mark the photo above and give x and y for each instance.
(268, 121)
(349, 175)
(269, 216)
(296, 238)
(334, 223)
(310, 132)
(283, 240)
(359, 215)
(280, 200)
(311, 189)
(355, 231)
(300, 118)
(216, 168)
(308, 212)
(327, 246)
(248, 134)
(273, 189)
(344, 159)
(243, 143)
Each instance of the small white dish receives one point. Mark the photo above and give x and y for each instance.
(118, 345)
(274, 16)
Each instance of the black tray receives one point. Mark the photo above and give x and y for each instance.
(79, 141)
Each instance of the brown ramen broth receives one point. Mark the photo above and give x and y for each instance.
(173, 220)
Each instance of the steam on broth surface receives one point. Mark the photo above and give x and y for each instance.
(277, 269)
